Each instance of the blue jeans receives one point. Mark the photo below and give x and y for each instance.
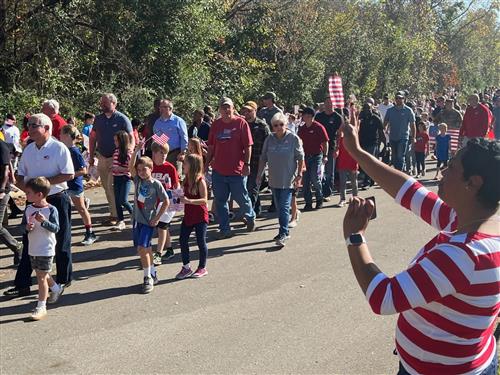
(283, 200)
(236, 186)
(398, 153)
(121, 186)
(329, 175)
(313, 162)
(201, 239)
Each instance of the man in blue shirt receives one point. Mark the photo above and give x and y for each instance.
(176, 130)
(401, 122)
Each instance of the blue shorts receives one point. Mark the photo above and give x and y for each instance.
(143, 234)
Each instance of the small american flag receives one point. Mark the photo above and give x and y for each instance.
(335, 91)
(160, 138)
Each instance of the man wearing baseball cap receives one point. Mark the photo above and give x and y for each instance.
(229, 152)
(401, 122)
(270, 109)
(260, 130)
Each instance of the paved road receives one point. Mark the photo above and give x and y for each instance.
(260, 310)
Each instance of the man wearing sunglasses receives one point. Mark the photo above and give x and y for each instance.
(46, 157)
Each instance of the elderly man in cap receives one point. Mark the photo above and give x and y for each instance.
(260, 130)
(401, 122)
(315, 142)
(270, 109)
(229, 153)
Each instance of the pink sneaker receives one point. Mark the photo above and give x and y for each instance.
(184, 273)
(200, 272)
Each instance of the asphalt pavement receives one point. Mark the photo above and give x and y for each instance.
(260, 310)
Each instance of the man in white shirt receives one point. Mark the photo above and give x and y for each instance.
(384, 106)
(47, 157)
(12, 135)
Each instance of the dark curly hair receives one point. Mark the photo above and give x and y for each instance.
(481, 157)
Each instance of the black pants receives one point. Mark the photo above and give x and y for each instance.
(201, 239)
(420, 157)
(5, 236)
(64, 265)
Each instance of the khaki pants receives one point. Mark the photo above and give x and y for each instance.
(104, 169)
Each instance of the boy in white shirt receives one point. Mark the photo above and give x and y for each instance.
(42, 223)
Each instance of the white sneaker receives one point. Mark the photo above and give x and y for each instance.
(293, 224)
(54, 296)
(39, 313)
(119, 226)
(341, 203)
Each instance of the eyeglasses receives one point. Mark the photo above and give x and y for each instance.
(278, 124)
(34, 126)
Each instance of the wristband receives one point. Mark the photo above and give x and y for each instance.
(355, 239)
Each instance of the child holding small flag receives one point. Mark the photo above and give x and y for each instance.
(121, 176)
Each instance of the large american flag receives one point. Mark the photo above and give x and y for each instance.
(454, 133)
(335, 91)
(160, 138)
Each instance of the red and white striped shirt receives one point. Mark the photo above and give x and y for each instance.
(120, 169)
(448, 298)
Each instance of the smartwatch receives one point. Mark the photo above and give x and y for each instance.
(355, 239)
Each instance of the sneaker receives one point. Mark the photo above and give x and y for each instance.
(119, 226)
(89, 238)
(184, 273)
(15, 292)
(200, 272)
(281, 240)
(223, 235)
(278, 236)
(87, 203)
(148, 285)
(250, 225)
(39, 313)
(326, 199)
(54, 297)
(308, 207)
(155, 278)
(341, 203)
(169, 253)
(157, 258)
(110, 221)
(293, 223)
(319, 204)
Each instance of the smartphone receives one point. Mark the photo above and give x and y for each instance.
(374, 214)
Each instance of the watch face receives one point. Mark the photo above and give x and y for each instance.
(356, 239)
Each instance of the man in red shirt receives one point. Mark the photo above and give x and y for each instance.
(477, 120)
(51, 108)
(315, 142)
(229, 151)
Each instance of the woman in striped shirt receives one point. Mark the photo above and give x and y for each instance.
(448, 299)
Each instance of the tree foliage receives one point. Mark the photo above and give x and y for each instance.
(197, 50)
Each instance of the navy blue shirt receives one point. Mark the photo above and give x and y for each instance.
(106, 128)
(201, 132)
(76, 184)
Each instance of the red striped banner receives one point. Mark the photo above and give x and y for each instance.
(335, 91)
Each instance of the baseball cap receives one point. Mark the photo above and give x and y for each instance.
(250, 105)
(386, 96)
(269, 95)
(400, 95)
(308, 111)
(225, 100)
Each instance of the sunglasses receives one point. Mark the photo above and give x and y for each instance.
(279, 124)
(34, 126)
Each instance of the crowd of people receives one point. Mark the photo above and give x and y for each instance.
(235, 156)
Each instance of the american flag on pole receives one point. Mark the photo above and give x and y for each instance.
(160, 138)
(335, 91)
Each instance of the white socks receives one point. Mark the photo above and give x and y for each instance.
(41, 304)
(149, 271)
(186, 266)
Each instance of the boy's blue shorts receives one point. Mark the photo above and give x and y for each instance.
(143, 234)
